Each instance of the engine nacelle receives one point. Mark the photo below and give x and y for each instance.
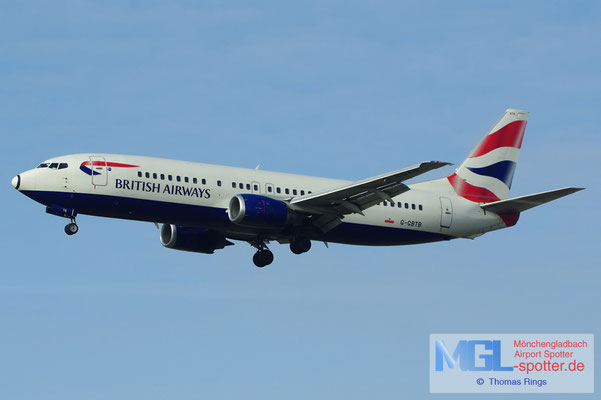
(256, 211)
(198, 240)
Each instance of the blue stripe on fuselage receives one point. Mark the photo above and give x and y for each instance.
(217, 219)
(134, 209)
(372, 235)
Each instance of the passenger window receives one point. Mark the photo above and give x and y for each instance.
(53, 165)
(278, 190)
(413, 206)
(399, 205)
(62, 165)
(294, 192)
(248, 186)
(392, 204)
(178, 178)
(139, 174)
(384, 203)
(234, 185)
(162, 177)
(194, 181)
(218, 183)
(310, 192)
(186, 179)
(147, 174)
(241, 185)
(302, 192)
(287, 191)
(154, 175)
(420, 207)
(256, 188)
(170, 177)
(204, 181)
(269, 189)
(406, 205)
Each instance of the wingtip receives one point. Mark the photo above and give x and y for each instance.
(441, 163)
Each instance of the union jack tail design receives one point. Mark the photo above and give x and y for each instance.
(486, 174)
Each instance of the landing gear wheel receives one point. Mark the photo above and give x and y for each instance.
(263, 258)
(300, 245)
(267, 257)
(257, 260)
(71, 228)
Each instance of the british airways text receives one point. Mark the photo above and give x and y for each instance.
(156, 187)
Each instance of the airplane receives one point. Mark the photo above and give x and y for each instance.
(203, 207)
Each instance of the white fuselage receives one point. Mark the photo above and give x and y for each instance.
(198, 195)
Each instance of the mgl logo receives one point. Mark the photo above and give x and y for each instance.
(465, 353)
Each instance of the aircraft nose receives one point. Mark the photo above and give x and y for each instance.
(16, 182)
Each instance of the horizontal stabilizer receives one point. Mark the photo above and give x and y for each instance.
(523, 203)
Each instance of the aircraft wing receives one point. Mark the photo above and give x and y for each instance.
(523, 203)
(333, 204)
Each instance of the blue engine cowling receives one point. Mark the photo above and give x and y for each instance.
(256, 211)
(198, 240)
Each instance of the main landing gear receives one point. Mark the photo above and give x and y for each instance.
(263, 256)
(300, 245)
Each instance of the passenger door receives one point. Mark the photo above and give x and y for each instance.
(99, 171)
(446, 209)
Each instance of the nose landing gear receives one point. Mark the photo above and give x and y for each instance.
(65, 212)
(71, 228)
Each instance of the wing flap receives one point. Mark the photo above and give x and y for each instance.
(327, 209)
(523, 203)
(363, 194)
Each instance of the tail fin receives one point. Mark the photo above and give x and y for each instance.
(486, 174)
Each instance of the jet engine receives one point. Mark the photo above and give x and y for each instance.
(256, 211)
(198, 240)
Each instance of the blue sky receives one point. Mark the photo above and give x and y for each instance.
(338, 89)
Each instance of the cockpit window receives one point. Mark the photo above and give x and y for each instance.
(53, 165)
